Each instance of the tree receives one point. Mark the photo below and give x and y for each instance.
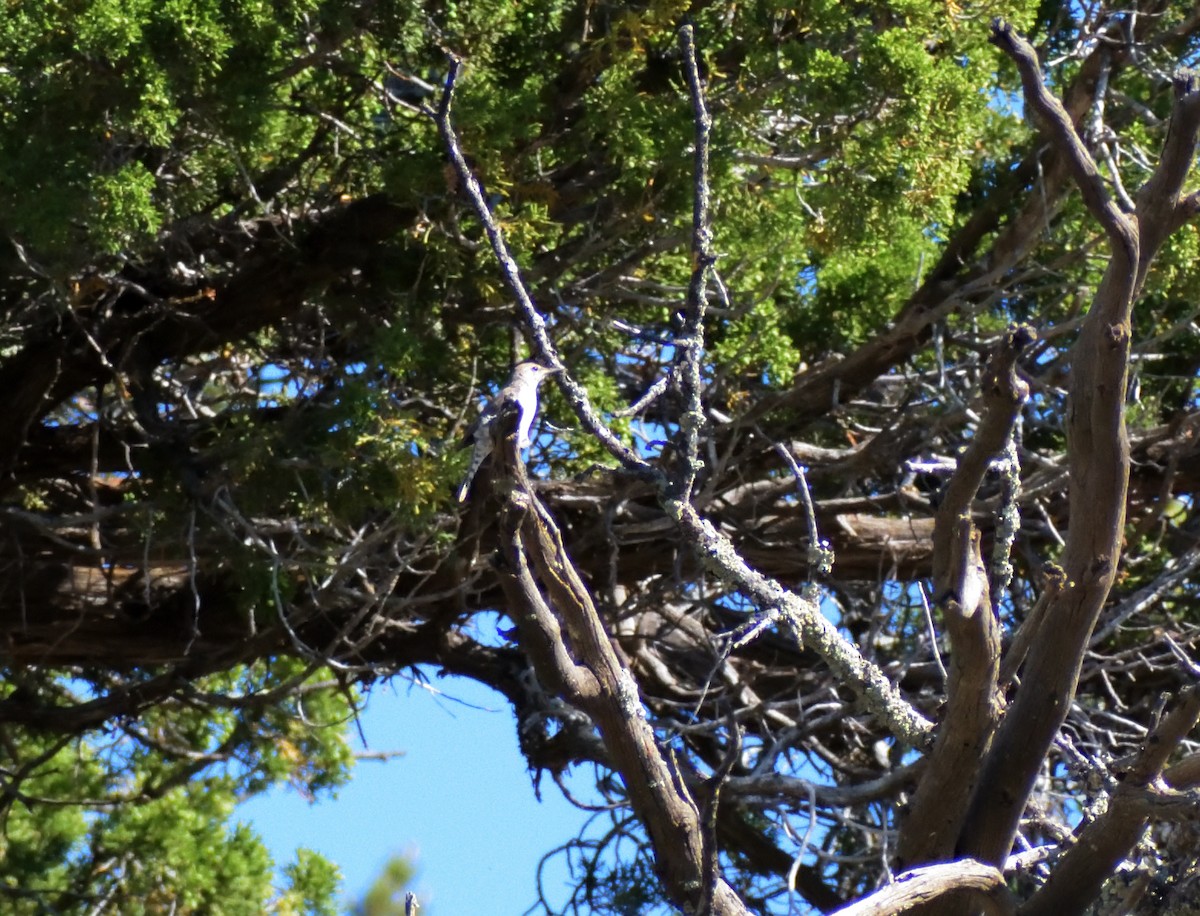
(858, 537)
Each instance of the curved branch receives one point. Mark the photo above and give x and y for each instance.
(573, 652)
(984, 883)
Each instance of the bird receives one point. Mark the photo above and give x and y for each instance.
(520, 392)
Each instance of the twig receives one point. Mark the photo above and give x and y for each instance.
(932, 631)
(690, 345)
(652, 393)
(801, 848)
(1179, 569)
(820, 554)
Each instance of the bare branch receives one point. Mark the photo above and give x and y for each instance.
(574, 653)
(534, 321)
(1160, 208)
(826, 796)
(820, 555)
(1098, 454)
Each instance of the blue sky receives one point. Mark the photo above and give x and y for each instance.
(460, 800)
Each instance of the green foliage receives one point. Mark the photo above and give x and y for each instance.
(386, 894)
(160, 110)
(140, 827)
(122, 209)
(313, 881)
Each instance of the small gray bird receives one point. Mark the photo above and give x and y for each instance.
(521, 392)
